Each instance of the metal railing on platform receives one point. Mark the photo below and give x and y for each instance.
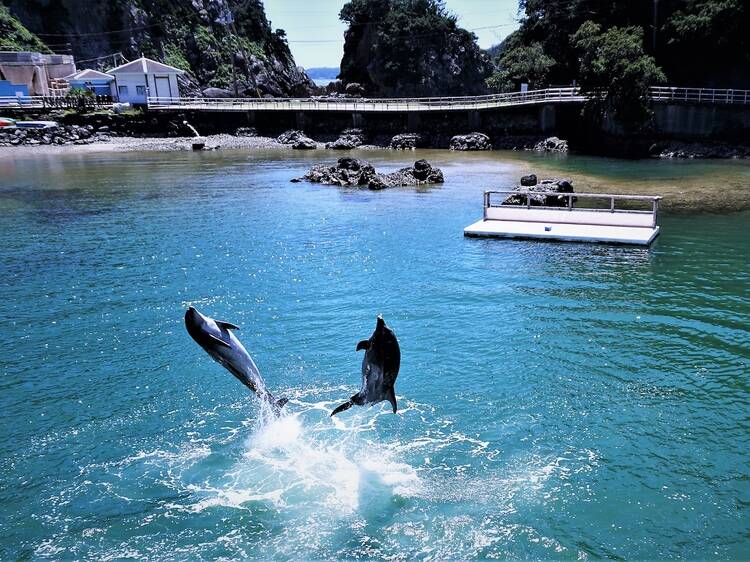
(570, 200)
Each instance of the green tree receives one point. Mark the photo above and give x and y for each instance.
(521, 64)
(410, 48)
(616, 73)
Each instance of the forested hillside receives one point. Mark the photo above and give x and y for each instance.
(215, 41)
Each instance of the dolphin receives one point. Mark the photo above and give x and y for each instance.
(379, 369)
(216, 339)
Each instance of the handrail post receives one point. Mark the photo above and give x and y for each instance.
(611, 204)
(570, 201)
(528, 200)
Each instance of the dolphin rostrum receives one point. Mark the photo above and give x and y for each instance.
(216, 339)
(379, 369)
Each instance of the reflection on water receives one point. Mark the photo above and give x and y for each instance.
(558, 400)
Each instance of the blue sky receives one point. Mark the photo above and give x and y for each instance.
(316, 36)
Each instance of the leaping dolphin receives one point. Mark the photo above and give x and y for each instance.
(379, 369)
(217, 339)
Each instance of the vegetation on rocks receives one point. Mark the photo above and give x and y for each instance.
(234, 49)
(622, 48)
(15, 37)
(410, 48)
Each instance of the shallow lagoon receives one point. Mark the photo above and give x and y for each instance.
(558, 401)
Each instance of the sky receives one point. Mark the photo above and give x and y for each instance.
(316, 36)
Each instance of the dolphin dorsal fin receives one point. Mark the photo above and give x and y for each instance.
(227, 325)
(219, 341)
(364, 344)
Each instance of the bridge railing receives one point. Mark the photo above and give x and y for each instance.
(369, 104)
(700, 95)
(54, 102)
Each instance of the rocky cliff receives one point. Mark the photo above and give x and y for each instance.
(222, 45)
(410, 48)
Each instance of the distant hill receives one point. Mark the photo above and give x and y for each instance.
(323, 73)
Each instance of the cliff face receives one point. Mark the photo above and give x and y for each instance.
(410, 48)
(217, 45)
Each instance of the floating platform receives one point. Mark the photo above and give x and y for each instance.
(609, 225)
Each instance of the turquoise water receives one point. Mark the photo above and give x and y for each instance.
(557, 401)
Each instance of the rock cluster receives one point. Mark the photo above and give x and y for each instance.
(348, 139)
(352, 172)
(298, 140)
(677, 149)
(67, 134)
(472, 141)
(552, 144)
(407, 141)
(547, 191)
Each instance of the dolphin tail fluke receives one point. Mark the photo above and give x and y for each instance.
(391, 397)
(280, 403)
(345, 406)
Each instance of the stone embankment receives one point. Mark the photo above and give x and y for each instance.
(60, 135)
(352, 172)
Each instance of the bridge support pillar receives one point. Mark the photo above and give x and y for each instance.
(475, 120)
(250, 116)
(413, 122)
(299, 120)
(357, 120)
(547, 118)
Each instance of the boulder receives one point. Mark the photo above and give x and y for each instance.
(348, 139)
(290, 137)
(552, 144)
(544, 193)
(305, 143)
(472, 141)
(217, 93)
(528, 180)
(407, 141)
(354, 89)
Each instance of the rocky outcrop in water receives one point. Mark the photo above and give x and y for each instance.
(679, 149)
(545, 192)
(472, 141)
(348, 139)
(552, 144)
(407, 141)
(352, 172)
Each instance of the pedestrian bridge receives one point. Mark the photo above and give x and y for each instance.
(464, 103)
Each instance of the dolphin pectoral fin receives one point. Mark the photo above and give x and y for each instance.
(219, 341)
(281, 402)
(227, 325)
(364, 344)
(345, 406)
(391, 397)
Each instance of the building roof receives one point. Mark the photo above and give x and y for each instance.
(89, 74)
(145, 66)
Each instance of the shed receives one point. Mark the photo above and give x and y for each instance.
(137, 80)
(98, 82)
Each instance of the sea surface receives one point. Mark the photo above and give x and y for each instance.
(557, 401)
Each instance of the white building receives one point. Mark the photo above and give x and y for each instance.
(142, 78)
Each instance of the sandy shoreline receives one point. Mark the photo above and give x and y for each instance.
(150, 144)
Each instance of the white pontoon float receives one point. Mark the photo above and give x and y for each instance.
(569, 222)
